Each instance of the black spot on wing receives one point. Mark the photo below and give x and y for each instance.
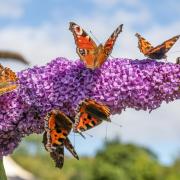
(93, 111)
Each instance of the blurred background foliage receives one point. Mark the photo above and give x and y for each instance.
(114, 161)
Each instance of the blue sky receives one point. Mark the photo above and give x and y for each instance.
(39, 30)
(35, 13)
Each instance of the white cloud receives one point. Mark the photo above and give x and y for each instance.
(12, 8)
(47, 41)
(39, 45)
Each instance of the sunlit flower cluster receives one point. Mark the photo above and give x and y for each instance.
(62, 84)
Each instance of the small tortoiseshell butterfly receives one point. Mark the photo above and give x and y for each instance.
(8, 80)
(90, 114)
(158, 52)
(178, 60)
(57, 128)
(92, 55)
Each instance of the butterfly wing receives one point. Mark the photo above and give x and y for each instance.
(85, 46)
(143, 45)
(57, 128)
(97, 109)
(84, 122)
(4, 88)
(90, 114)
(8, 80)
(103, 52)
(160, 51)
(69, 146)
(56, 154)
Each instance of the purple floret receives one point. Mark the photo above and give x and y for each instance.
(62, 84)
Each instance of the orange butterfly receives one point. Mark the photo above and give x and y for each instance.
(90, 114)
(158, 52)
(57, 128)
(7, 80)
(92, 55)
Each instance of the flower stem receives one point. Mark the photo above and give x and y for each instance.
(2, 171)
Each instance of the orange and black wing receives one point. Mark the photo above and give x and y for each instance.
(109, 44)
(90, 114)
(57, 128)
(159, 52)
(97, 109)
(85, 46)
(69, 146)
(106, 50)
(57, 154)
(8, 80)
(143, 45)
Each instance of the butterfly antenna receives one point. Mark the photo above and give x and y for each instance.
(89, 134)
(94, 37)
(116, 124)
(80, 133)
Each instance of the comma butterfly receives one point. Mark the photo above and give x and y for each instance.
(158, 52)
(92, 55)
(8, 80)
(90, 114)
(57, 128)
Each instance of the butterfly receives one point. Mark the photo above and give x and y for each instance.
(90, 113)
(92, 55)
(8, 80)
(178, 60)
(57, 128)
(158, 52)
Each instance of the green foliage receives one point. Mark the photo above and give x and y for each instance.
(43, 168)
(115, 161)
(129, 159)
(173, 172)
(31, 145)
(106, 171)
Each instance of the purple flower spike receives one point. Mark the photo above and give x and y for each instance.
(119, 83)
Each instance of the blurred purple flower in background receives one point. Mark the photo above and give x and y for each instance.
(119, 83)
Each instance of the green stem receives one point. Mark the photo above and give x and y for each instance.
(2, 171)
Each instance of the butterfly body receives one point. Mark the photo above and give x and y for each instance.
(57, 128)
(158, 52)
(157, 55)
(92, 55)
(90, 114)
